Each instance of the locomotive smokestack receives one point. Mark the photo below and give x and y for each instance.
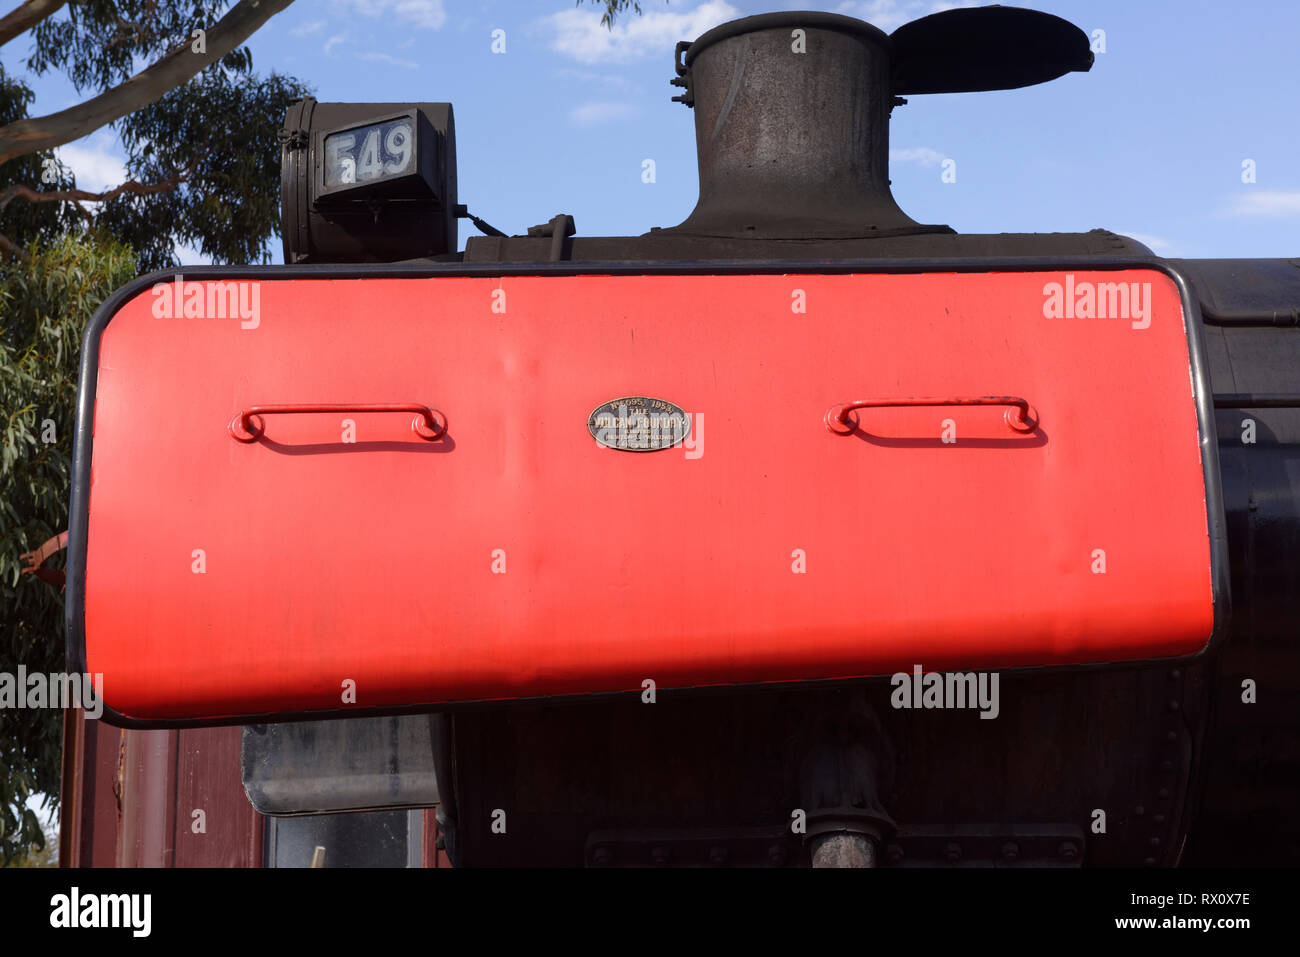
(792, 129)
(792, 110)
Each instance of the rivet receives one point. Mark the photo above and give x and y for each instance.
(659, 856)
(1068, 850)
(602, 857)
(952, 852)
(1010, 850)
(717, 856)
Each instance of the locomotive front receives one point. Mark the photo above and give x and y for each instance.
(799, 532)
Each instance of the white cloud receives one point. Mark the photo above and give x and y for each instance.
(96, 161)
(334, 41)
(577, 33)
(921, 155)
(308, 29)
(589, 114)
(1265, 203)
(389, 59)
(427, 14)
(889, 15)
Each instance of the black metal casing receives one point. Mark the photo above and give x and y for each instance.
(410, 217)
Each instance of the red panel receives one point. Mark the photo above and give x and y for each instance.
(374, 561)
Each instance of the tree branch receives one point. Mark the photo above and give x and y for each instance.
(18, 21)
(177, 67)
(16, 190)
(79, 196)
(20, 190)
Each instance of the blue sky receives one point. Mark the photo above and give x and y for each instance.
(1149, 143)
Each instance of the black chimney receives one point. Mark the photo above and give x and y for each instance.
(792, 110)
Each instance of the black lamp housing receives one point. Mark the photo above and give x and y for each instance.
(367, 182)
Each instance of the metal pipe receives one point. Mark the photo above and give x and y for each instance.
(843, 849)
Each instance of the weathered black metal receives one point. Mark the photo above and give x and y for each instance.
(559, 228)
(792, 110)
(323, 767)
(665, 245)
(846, 769)
(792, 130)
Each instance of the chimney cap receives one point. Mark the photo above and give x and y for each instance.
(793, 20)
(986, 48)
(964, 50)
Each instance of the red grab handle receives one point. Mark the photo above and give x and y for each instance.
(1021, 417)
(427, 424)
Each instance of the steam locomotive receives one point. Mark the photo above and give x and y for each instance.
(800, 533)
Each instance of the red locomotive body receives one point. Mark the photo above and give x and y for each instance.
(519, 550)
